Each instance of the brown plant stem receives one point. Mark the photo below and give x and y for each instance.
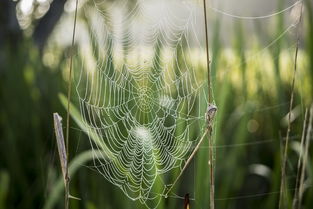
(209, 128)
(296, 194)
(66, 199)
(285, 153)
(187, 162)
(305, 158)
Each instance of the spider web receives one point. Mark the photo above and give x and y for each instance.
(142, 100)
(143, 113)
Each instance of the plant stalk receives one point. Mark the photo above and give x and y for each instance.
(285, 154)
(67, 192)
(300, 162)
(305, 158)
(209, 128)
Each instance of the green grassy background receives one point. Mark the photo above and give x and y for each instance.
(252, 91)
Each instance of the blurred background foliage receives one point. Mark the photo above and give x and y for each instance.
(252, 96)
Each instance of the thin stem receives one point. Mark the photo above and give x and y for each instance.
(211, 164)
(188, 161)
(66, 200)
(207, 50)
(305, 158)
(285, 154)
(209, 128)
(296, 194)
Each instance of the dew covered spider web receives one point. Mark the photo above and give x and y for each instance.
(140, 96)
(141, 101)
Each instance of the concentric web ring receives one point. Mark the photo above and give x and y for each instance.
(144, 111)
